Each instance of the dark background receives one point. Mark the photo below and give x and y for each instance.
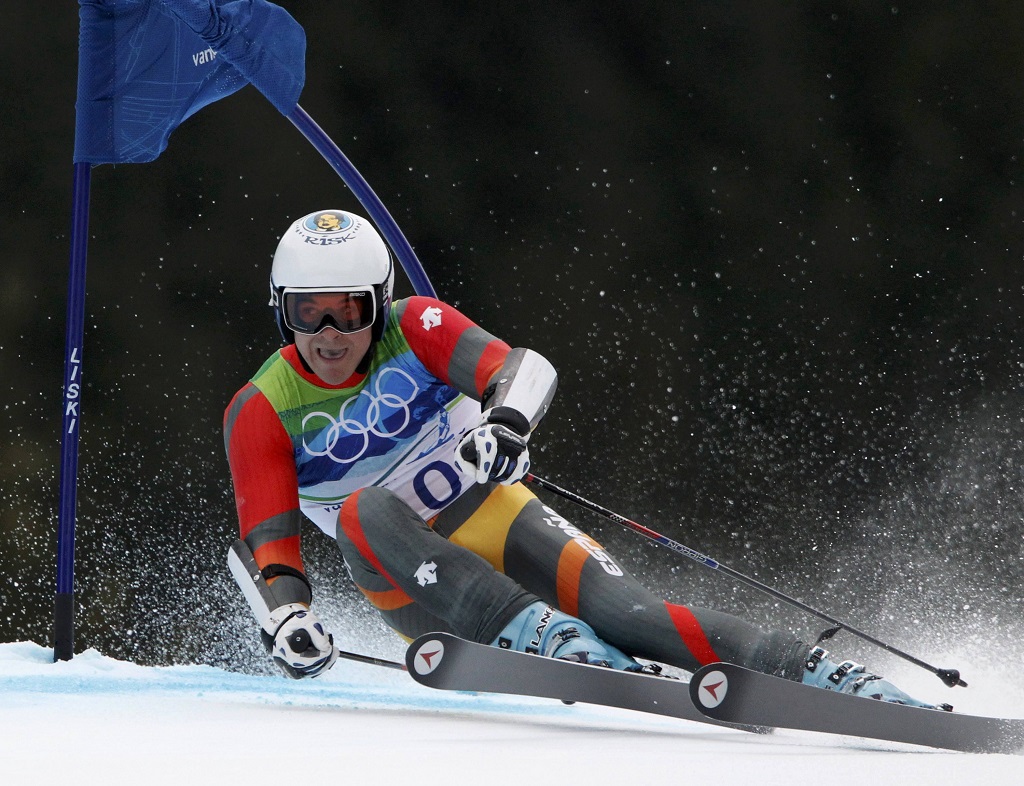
(774, 250)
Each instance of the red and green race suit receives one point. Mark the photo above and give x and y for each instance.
(295, 442)
(299, 446)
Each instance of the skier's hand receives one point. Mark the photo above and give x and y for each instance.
(496, 449)
(299, 645)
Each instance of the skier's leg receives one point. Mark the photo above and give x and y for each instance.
(478, 522)
(416, 579)
(399, 611)
(551, 558)
(589, 582)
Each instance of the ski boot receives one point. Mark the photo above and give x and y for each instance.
(543, 630)
(852, 678)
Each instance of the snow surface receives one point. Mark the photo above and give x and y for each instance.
(97, 720)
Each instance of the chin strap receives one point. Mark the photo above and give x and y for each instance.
(302, 360)
(364, 364)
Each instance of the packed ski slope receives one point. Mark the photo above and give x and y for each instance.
(96, 720)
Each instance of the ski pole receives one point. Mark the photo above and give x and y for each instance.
(388, 664)
(950, 677)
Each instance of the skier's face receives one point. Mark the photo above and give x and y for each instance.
(333, 356)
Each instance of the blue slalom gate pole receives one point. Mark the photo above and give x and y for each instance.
(380, 215)
(64, 602)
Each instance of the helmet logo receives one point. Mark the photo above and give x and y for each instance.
(328, 221)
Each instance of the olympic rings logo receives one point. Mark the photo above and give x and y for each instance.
(380, 400)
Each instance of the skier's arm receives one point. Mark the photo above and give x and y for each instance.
(266, 496)
(464, 355)
(514, 386)
(525, 383)
(266, 492)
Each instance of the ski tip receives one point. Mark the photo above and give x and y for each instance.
(425, 655)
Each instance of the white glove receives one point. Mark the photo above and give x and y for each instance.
(496, 449)
(299, 643)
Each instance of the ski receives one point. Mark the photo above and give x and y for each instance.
(446, 662)
(729, 693)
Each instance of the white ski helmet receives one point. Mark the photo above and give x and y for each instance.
(332, 251)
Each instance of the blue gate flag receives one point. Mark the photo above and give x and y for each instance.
(144, 66)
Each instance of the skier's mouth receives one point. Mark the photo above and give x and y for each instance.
(332, 354)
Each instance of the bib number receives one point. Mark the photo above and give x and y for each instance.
(449, 477)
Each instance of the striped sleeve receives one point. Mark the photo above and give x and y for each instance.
(266, 488)
(452, 347)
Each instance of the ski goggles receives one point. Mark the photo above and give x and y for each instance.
(347, 311)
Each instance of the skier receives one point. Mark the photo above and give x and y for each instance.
(401, 429)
